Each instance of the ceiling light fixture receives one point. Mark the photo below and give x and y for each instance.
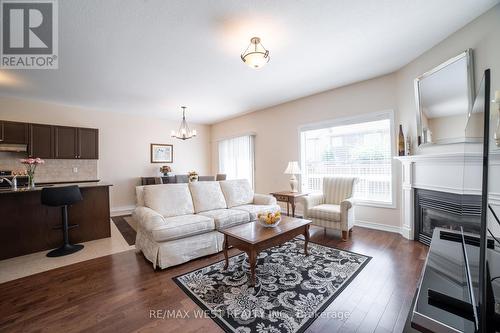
(256, 55)
(184, 132)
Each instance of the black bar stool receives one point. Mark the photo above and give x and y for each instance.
(63, 197)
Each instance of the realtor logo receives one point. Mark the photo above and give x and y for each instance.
(29, 34)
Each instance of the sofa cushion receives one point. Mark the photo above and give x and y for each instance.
(325, 212)
(181, 227)
(237, 192)
(253, 210)
(169, 199)
(225, 218)
(207, 196)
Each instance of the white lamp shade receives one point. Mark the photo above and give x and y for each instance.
(292, 168)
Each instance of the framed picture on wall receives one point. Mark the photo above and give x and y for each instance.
(162, 153)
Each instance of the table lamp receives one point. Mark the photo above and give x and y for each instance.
(293, 169)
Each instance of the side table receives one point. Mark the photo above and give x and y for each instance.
(290, 198)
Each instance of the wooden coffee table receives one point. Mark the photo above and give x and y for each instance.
(253, 238)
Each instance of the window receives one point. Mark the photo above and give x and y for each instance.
(236, 158)
(359, 147)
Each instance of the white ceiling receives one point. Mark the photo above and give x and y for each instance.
(152, 56)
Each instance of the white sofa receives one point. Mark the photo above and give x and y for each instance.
(179, 222)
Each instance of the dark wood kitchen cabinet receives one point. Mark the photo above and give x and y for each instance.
(52, 141)
(65, 142)
(41, 143)
(88, 143)
(76, 143)
(13, 132)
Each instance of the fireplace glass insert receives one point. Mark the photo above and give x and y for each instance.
(445, 210)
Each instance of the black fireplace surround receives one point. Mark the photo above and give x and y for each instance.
(446, 210)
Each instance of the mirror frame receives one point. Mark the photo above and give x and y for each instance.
(467, 54)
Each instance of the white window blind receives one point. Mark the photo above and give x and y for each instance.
(236, 158)
(360, 149)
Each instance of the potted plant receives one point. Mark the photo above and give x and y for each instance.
(31, 164)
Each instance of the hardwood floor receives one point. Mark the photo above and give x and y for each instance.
(118, 293)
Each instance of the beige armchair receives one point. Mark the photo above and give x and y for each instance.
(334, 207)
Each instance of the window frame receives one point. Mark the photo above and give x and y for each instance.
(361, 118)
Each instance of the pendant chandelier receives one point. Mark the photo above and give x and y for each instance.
(256, 55)
(183, 133)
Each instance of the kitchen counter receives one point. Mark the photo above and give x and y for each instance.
(27, 226)
(23, 189)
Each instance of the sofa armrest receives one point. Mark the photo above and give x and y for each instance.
(147, 218)
(312, 200)
(263, 199)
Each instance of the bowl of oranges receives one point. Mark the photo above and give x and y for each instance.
(269, 220)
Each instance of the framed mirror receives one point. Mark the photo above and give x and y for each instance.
(444, 98)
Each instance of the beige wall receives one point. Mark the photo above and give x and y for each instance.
(277, 136)
(276, 128)
(124, 153)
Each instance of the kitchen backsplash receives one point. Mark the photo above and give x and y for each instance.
(53, 170)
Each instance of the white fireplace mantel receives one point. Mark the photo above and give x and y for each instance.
(437, 172)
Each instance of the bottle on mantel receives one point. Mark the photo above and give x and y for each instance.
(401, 142)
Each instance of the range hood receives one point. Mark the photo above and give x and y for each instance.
(13, 147)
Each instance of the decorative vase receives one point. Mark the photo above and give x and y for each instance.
(31, 181)
(401, 142)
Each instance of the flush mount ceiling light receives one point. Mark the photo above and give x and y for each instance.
(184, 132)
(256, 55)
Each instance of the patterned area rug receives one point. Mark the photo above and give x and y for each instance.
(291, 289)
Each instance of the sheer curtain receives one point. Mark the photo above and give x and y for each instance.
(236, 158)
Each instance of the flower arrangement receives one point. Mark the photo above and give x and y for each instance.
(31, 164)
(193, 176)
(165, 170)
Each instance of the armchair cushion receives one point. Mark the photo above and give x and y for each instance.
(325, 212)
(337, 189)
(237, 192)
(312, 200)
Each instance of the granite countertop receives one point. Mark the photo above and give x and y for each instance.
(23, 189)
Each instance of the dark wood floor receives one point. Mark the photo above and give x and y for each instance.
(117, 293)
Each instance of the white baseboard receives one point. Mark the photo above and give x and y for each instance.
(378, 226)
(122, 210)
(406, 233)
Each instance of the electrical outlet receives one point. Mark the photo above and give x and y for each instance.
(75, 170)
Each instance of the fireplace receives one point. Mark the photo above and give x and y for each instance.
(445, 210)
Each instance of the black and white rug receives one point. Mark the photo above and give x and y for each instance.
(291, 289)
